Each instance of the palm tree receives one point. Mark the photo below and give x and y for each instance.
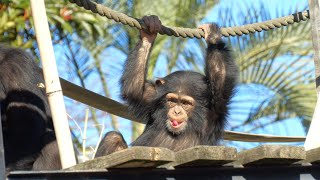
(278, 65)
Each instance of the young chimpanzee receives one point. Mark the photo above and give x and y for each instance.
(29, 139)
(183, 109)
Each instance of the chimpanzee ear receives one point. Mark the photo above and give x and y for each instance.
(159, 82)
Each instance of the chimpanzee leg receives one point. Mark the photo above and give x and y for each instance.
(23, 126)
(113, 141)
(49, 158)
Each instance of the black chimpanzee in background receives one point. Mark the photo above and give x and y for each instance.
(183, 109)
(28, 134)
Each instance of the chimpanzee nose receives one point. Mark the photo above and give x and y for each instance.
(177, 110)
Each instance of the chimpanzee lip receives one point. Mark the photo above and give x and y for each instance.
(179, 124)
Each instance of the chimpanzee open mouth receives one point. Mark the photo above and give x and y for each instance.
(176, 127)
(176, 124)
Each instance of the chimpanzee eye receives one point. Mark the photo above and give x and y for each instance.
(185, 106)
(187, 103)
(172, 102)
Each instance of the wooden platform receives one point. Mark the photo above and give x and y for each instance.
(200, 156)
(205, 156)
(129, 158)
(263, 162)
(271, 155)
(313, 156)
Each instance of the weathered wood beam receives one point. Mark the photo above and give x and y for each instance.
(106, 104)
(134, 157)
(271, 155)
(205, 156)
(313, 140)
(248, 137)
(95, 100)
(2, 160)
(313, 156)
(198, 156)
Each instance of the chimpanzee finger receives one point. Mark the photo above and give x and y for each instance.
(146, 20)
(157, 25)
(152, 24)
(206, 29)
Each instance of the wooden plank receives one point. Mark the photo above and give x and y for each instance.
(95, 100)
(313, 140)
(314, 6)
(271, 155)
(205, 156)
(313, 156)
(247, 137)
(2, 160)
(108, 105)
(134, 157)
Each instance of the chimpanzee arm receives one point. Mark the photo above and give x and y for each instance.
(133, 79)
(136, 90)
(221, 69)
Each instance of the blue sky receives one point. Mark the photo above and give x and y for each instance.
(277, 8)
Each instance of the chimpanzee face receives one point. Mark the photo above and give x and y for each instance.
(179, 108)
(184, 95)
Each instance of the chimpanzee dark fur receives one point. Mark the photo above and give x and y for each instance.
(115, 143)
(26, 120)
(212, 93)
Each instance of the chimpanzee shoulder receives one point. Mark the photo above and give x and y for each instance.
(25, 113)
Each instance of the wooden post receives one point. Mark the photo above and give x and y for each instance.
(2, 160)
(52, 83)
(313, 137)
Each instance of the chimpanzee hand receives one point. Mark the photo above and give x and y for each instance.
(212, 33)
(153, 25)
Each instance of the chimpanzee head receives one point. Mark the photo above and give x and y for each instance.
(182, 102)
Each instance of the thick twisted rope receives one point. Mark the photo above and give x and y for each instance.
(191, 33)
